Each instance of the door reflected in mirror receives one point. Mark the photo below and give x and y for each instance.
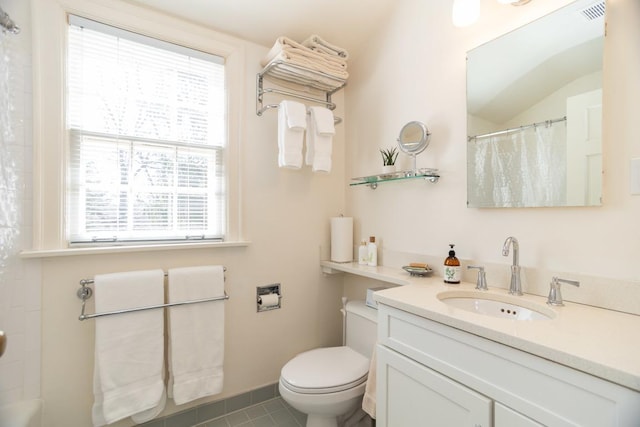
(534, 113)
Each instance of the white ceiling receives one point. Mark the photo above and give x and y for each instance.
(343, 23)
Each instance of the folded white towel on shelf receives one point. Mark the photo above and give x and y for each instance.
(196, 333)
(292, 122)
(314, 61)
(329, 69)
(286, 73)
(320, 131)
(129, 347)
(293, 50)
(315, 42)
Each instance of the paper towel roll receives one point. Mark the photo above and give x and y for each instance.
(341, 239)
(269, 300)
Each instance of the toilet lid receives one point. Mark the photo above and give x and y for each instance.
(325, 370)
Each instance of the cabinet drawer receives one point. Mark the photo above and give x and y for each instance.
(544, 391)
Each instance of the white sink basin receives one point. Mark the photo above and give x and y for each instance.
(496, 305)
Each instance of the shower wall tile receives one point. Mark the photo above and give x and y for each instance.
(20, 280)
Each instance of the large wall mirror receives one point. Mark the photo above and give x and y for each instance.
(534, 106)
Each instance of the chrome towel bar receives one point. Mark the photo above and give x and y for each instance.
(84, 293)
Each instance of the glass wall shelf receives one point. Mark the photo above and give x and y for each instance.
(372, 181)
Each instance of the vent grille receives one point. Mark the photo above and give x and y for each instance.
(593, 12)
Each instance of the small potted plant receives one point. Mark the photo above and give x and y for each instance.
(389, 156)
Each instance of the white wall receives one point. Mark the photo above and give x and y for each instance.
(414, 69)
(285, 217)
(19, 279)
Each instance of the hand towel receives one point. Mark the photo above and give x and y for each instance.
(320, 131)
(292, 121)
(369, 399)
(323, 120)
(196, 333)
(129, 347)
(315, 42)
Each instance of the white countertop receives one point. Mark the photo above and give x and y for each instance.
(603, 343)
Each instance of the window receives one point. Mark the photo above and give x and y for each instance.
(147, 134)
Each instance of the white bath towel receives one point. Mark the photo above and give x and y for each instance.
(196, 333)
(320, 131)
(369, 398)
(285, 73)
(315, 42)
(320, 70)
(292, 121)
(129, 347)
(323, 121)
(290, 50)
(320, 63)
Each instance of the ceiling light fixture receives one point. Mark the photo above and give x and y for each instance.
(466, 12)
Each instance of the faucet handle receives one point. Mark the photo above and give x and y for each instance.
(555, 296)
(481, 282)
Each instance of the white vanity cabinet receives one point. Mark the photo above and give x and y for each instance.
(419, 396)
(431, 374)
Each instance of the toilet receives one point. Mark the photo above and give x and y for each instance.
(325, 383)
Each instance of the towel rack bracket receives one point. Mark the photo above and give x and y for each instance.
(84, 293)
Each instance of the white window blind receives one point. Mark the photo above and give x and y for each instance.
(147, 138)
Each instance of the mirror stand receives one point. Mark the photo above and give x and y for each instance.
(414, 169)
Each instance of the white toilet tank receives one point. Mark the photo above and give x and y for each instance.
(361, 330)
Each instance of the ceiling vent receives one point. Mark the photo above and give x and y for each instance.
(593, 12)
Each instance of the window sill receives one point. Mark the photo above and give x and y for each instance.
(48, 253)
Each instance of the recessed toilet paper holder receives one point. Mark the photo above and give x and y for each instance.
(268, 297)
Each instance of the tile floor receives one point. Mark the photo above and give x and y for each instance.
(272, 413)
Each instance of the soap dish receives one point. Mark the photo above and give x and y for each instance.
(417, 271)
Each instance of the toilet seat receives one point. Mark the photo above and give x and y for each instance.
(325, 370)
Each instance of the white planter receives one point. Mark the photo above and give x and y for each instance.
(388, 170)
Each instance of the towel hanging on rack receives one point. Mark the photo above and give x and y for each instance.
(292, 122)
(196, 334)
(129, 349)
(320, 131)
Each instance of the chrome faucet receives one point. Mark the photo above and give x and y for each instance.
(515, 287)
(555, 297)
(481, 282)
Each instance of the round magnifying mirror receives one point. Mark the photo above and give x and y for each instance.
(414, 138)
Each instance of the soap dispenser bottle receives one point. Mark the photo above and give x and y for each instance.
(363, 253)
(372, 252)
(452, 267)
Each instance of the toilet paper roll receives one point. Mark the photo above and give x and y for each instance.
(341, 239)
(269, 300)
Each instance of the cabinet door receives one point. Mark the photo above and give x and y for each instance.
(507, 417)
(412, 395)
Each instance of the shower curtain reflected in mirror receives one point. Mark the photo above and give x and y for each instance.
(525, 167)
